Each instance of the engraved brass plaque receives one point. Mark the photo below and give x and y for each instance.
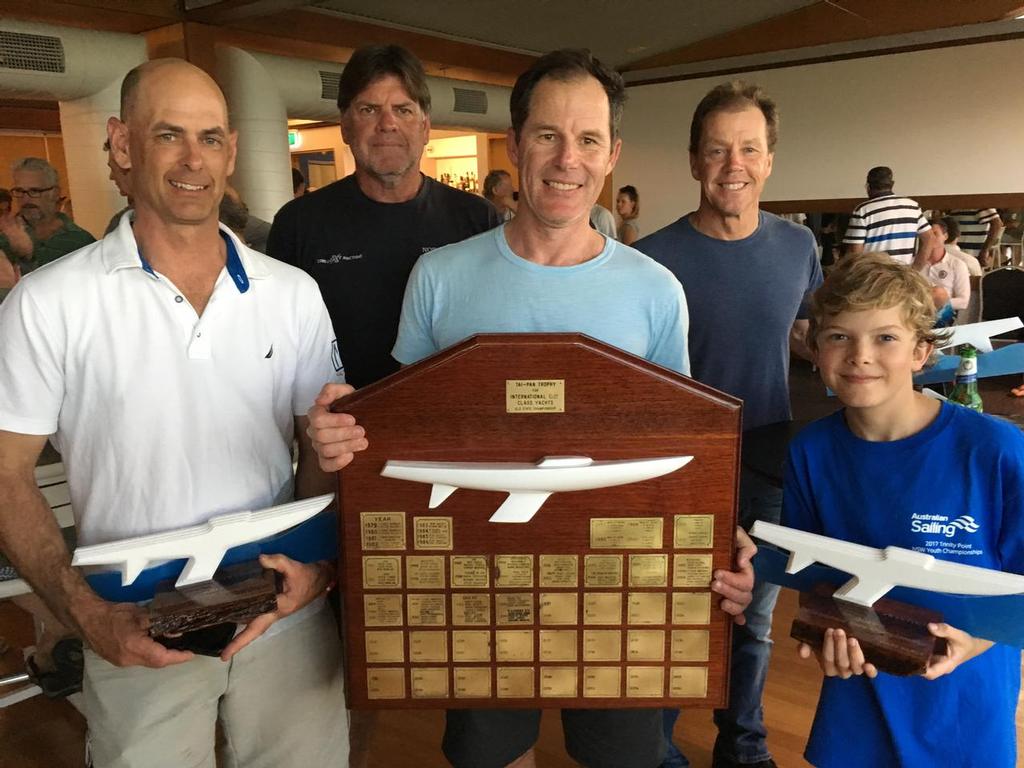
(602, 608)
(515, 682)
(648, 570)
(513, 644)
(385, 647)
(689, 681)
(424, 572)
(382, 572)
(558, 607)
(602, 682)
(645, 644)
(513, 608)
(382, 610)
(471, 609)
(558, 682)
(602, 570)
(691, 607)
(385, 683)
(430, 682)
(690, 644)
(472, 682)
(426, 610)
(513, 570)
(470, 572)
(626, 532)
(602, 645)
(645, 682)
(428, 646)
(471, 645)
(432, 533)
(558, 645)
(535, 396)
(646, 608)
(559, 570)
(382, 530)
(693, 532)
(691, 570)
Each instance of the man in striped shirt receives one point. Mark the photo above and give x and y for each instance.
(885, 222)
(979, 230)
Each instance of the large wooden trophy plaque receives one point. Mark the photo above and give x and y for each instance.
(601, 598)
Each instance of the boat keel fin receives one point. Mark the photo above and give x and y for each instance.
(798, 562)
(520, 507)
(439, 492)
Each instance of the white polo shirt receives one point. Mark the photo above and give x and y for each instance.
(163, 418)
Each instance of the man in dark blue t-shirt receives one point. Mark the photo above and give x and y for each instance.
(746, 274)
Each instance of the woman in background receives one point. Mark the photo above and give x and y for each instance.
(627, 205)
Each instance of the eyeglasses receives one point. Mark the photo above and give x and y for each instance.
(30, 192)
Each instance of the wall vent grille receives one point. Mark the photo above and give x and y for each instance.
(330, 82)
(471, 101)
(35, 53)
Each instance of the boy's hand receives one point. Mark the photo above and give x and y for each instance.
(960, 647)
(736, 586)
(839, 656)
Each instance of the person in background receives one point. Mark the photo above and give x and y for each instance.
(498, 189)
(603, 221)
(627, 205)
(949, 229)
(5, 202)
(254, 230)
(885, 221)
(980, 229)
(298, 183)
(120, 177)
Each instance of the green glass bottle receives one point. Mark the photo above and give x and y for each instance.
(965, 389)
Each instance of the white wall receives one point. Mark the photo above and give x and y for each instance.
(948, 121)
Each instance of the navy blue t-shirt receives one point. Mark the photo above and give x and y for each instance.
(743, 297)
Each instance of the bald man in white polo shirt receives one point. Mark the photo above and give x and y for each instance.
(170, 364)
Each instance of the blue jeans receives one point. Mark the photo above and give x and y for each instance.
(741, 731)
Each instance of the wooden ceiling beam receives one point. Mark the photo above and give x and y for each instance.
(106, 15)
(230, 11)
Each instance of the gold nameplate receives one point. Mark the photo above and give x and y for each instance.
(382, 610)
(645, 682)
(558, 682)
(535, 396)
(558, 645)
(432, 533)
(602, 570)
(513, 644)
(645, 644)
(428, 646)
(385, 647)
(424, 572)
(382, 530)
(471, 609)
(559, 570)
(691, 570)
(513, 608)
(648, 570)
(385, 684)
(602, 645)
(558, 607)
(513, 570)
(430, 683)
(470, 572)
(646, 607)
(471, 645)
(426, 610)
(472, 682)
(689, 682)
(694, 532)
(626, 532)
(691, 607)
(690, 644)
(515, 682)
(382, 572)
(602, 608)
(602, 682)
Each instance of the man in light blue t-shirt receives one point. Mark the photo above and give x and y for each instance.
(547, 270)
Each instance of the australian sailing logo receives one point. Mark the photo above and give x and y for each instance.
(941, 524)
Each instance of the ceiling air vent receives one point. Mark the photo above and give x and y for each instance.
(36, 53)
(329, 84)
(467, 100)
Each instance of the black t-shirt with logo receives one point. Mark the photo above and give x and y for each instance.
(361, 252)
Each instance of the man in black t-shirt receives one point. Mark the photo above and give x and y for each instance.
(360, 237)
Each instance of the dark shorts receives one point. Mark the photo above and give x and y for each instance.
(595, 738)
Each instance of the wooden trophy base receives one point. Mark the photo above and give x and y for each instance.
(236, 593)
(894, 636)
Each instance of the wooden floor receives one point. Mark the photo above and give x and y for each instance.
(45, 734)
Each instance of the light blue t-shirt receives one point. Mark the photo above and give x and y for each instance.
(620, 297)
